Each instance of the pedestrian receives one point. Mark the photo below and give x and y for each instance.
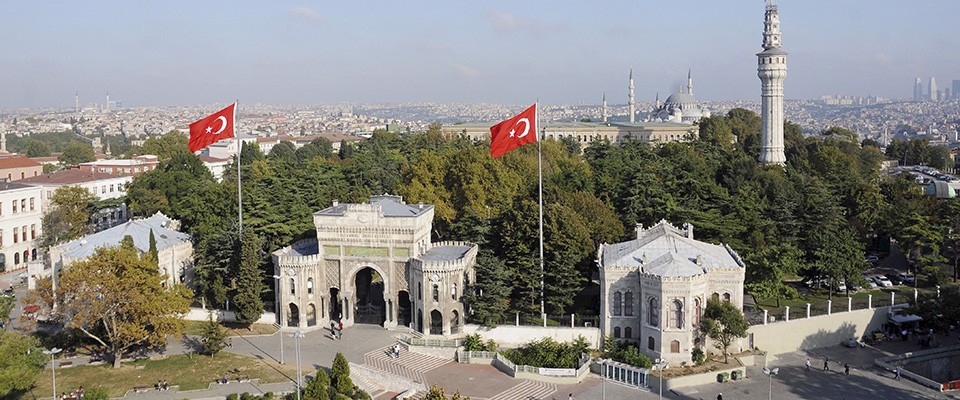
(340, 332)
(808, 364)
(846, 369)
(229, 342)
(570, 396)
(720, 396)
(897, 371)
(826, 365)
(396, 350)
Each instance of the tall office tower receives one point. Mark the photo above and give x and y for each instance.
(918, 90)
(106, 106)
(932, 89)
(603, 110)
(772, 70)
(631, 100)
(956, 89)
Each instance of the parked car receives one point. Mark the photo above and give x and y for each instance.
(842, 287)
(872, 259)
(883, 281)
(907, 279)
(895, 279)
(872, 284)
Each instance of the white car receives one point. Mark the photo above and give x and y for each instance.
(871, 283)
(883, 281)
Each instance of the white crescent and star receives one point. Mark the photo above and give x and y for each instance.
(223, 125)
(526, 128)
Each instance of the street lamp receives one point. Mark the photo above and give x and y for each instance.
(660, 365)
(53, 367)
(279, 316)
(298, 335)
(771, 373)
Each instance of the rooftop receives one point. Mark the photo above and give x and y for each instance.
(69, 177)
(445, 253)
(17, 161)
(390, 206)
(138, 229)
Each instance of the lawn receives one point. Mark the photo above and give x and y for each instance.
(196, 327)
(818, 301)
(188, 372)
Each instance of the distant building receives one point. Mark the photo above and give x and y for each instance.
(932, 90)
(680, 107)
(14, 167)
(956, 89)
(20, 225)
(586, 133)
(174, 248)
(918, 90)
(653, 289)
(374, 263)
(217, 166)
(101, 184)
(132, 167)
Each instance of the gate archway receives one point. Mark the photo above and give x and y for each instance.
(370, 305)
(404, 311)
(436, 322)
(293, 315)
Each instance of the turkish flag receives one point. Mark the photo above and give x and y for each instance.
(514, 132)
(216, 127)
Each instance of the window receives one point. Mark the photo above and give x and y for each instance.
(616, 332)
(31, 204)
(726, 297)
(453, 293)
(651, 343)
(697, 311)
(24, 232)
(309, 285)
(293, 286)
(1, 237)
(16, 235)
(676, 314)
(675, 346)
(628, 333)
(16, 258)
(14, 206)
(26, 255)
(23, 175)
(628, 304)
(419, 291)
(715, 296)
(33, 231)
(111, 188)
(1, 208)
(33, 254)
(616, 303)
(436, 292)
(103, 189)
(653, 312)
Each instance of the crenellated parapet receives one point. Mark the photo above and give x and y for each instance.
(298, 254)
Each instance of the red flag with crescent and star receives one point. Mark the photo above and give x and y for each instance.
(216, 127)
(514, 132)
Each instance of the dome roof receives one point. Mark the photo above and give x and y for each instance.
(680, 98)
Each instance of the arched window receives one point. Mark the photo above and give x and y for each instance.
(16, 258)
(33, 254)
(616, 332)
(293, 286)
(309, 285)
(676, 314)
(26, 255)
(715, 296)
(653, 312)
(419, 291)
(726, 297)
(453, 291)
(651, 343)
(628, 332)
(616, 303)
(628, 304)
(675, 346)
(697, 312)
(436, 292)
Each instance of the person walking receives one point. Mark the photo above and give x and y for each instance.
(340, 332)
(720, 396)
(897, 371)
(826, 365)
(808, 365)
(570, 396)
(846, 369)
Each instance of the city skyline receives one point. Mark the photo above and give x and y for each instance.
(288, 53)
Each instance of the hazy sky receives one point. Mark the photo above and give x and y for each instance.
(195, 52)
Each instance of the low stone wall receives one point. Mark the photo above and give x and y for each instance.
(516, 336)
(890, 364)
(698, 379)
(200, 314)
(814, 332)
(525, 371)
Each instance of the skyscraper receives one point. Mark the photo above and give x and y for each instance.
(932, 89)
(918, 90)
(772, 70)
(956, 89)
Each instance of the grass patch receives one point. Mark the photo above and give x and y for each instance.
(187, 372)
(195, 328)
(818, 301)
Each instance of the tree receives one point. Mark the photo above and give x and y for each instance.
(38, 149)
(340, 374)
(71, 207)
(77, 153)
(250, 286)
(21, 361)
(723, 323)
(767, 269)
(115, 297)
(212, 337)
(435, 393)
(167, 145)
(153, 246)
(318, 387)
(6, 306)
(488, 297)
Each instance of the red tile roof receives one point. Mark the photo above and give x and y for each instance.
(69, 177)
(17, 161)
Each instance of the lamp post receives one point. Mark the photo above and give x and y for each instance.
(279, 316)
(660, 365)
(53, 367)
(298, 335)
(771, 373)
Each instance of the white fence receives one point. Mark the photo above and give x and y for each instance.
(200, 314)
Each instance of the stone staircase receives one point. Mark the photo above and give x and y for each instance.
(410, 365)
(527, 390)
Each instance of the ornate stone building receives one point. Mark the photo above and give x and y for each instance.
(680, 107)
(653, 289)
(374, 263)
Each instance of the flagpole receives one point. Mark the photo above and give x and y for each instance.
(239, 151)
(540, 179)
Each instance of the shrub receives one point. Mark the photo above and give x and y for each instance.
(546, 353)
(625, 352)
(698, 357)
(97, 393)
(233, 396)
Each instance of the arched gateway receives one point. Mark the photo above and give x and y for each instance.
(374, 263)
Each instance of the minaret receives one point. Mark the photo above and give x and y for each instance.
(76, 102)
(633, 104)
(772, 69)
(106, 106)
(689, 82)
(656, 103)
(604, 108)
